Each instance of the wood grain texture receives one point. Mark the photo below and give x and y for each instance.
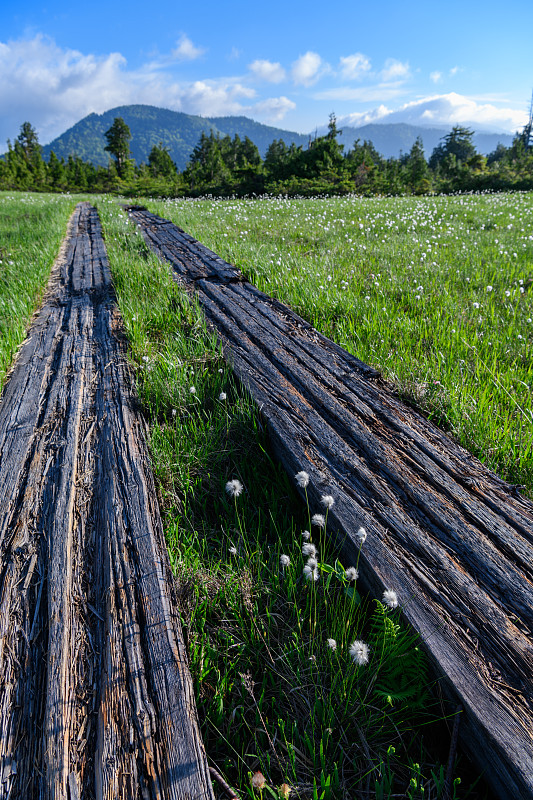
(96, 698)
(451, 538)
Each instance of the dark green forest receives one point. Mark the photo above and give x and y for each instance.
(225, 166)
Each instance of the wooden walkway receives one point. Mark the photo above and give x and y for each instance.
(453, 540)
(96, 698)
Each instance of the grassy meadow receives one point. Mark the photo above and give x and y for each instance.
(31, 229)
(304, 688)
(435, 292)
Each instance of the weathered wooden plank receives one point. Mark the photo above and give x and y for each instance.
(454, 540)
(96, 697)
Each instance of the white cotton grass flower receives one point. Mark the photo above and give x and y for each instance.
(284, 560)
(351, 574)
(390, 598)
(258, 781)
(306, 535)
(312, 562)
(311, 574)
(332, 644)
(318, 520)
(222, 396)
(359, 652)
(327, 500)
(233, 551)
(361, 535)
(309, 549)
(192, 389)
(234, 488)
(302, 479)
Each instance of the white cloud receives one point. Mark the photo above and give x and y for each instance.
(186, 50)
(436, 76)
(355, 66)
(443, 111)
(210, 98)
(454, 71)
(54, 88)
(273, 109)
(307, 69)
(359, 118)
(395, 70)
(269, 71)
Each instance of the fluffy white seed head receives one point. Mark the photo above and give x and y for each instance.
(284, 560)
(351, 574)
(258, 780)
(390, 598)
(310, 573)
(361, 535)
(302, 479)
(308, 549)
(359, 652)
(233, 551)
(306, 535)
(234, 488)
(222, 396)
(327, 500)
(318, 520)
(332, 644)
(312, 562)
(192, 389)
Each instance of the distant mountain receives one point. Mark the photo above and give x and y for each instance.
(390, 139)
(180, 133)
(151, 126)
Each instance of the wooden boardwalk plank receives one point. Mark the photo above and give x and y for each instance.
(453, 540)
(96, 697)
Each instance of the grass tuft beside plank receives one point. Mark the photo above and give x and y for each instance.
(31, 229)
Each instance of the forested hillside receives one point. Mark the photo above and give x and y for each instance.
(176, 132)
(225, 165)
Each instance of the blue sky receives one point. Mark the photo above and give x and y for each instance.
(288, 64)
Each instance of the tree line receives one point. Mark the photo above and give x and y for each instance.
(223, 166)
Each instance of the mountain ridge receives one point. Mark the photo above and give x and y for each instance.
(180, 132)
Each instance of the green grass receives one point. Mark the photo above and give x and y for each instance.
(31, 229)
(403, 283)
(273, 696)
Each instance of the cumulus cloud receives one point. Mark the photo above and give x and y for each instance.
(269, 71)
(186, 50)
(395, 70)
(359, 118)
(354, 67)
(53, 88)
(209, 98)
(307, 69)
(443, 111)
(274, 108)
